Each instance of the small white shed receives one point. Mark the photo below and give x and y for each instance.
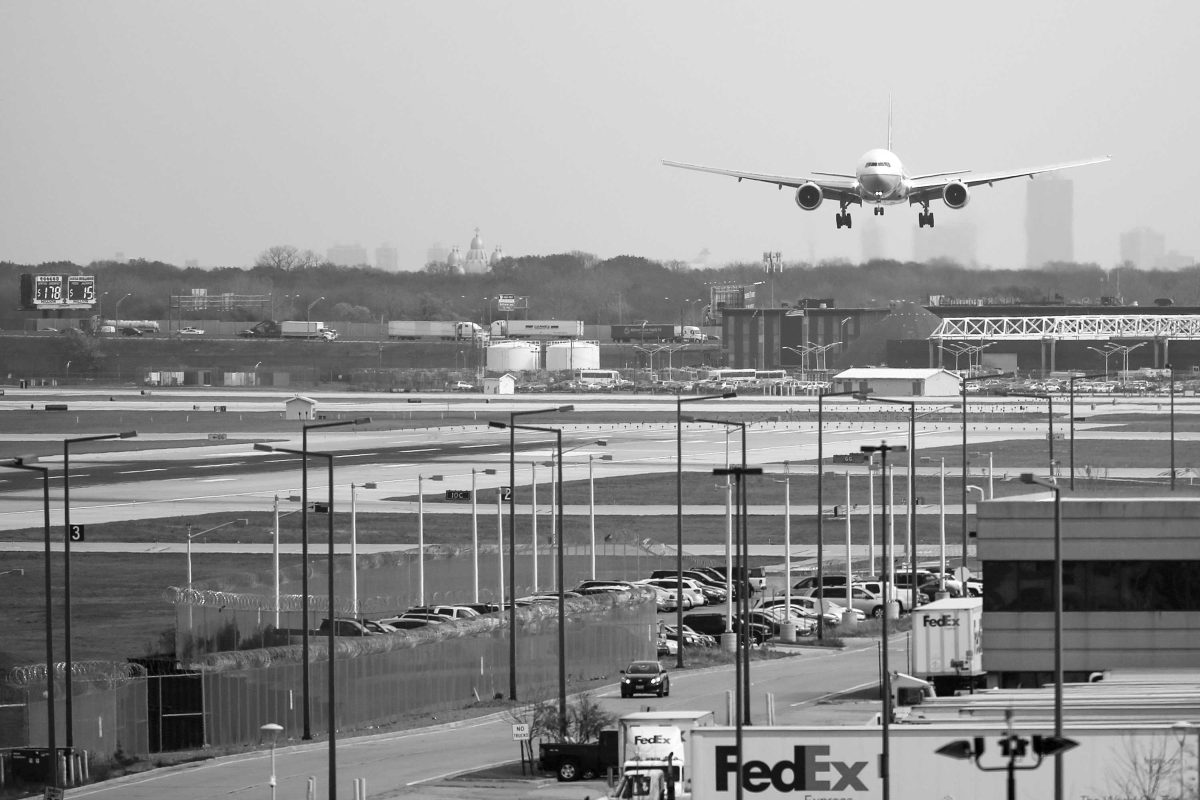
(299, 407)
(504, 384)
(885, 381)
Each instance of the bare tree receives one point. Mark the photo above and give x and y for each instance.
(281, 256)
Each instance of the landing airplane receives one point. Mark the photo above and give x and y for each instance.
(879, 180)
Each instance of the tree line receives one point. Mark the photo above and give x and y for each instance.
(582, 286)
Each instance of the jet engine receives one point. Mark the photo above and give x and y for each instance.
(809, 196)
(955, 195)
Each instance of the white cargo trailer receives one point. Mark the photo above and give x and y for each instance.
(947, 642)
(537, 329)
(827, 763)
(431, 330)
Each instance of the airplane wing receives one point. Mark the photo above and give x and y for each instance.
(843, 187)
(923, 187)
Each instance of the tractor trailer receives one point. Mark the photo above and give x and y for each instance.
(430, 330)
(658, 332)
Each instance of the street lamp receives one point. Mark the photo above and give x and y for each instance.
(912, 491)
(741, 644)
(991, 462)
(421, 536)
(942, 521)
(1071, 393)
(332, 683)
(679, 401)
(117, 318)
(1109, 350)
(592, 503)
(354, 543)
(274, 730)
(1014, 748)
(475, 530)
(512, 532)
(1171, 370)
(562, 605)
(304, 551)
(71, 535)
(19, 463)
(240, 523)
(308, 310)
(821, 503)
(1028, 477)
(885, 511)
(743, 690)
(1049, 398)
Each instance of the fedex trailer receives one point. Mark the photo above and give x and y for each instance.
(835, 763)
(947, 643)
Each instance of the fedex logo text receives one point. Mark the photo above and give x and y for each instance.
(807, 771)
(944, 621)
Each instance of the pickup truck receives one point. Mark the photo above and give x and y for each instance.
(570, 761)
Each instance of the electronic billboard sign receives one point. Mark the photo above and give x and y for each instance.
(47, 292)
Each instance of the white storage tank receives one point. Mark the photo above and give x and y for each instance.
(514, 356)
(572, 355)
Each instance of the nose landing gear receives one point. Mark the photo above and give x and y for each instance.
(878, 211)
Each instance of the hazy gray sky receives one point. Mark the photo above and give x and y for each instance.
(212, 130)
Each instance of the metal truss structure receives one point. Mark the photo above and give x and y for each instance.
(1081, 327)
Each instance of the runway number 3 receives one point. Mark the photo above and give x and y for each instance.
(76, 533)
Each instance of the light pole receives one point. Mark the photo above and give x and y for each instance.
(70, 535)
(1049, 398)
(679, 401)
(1013, 747)
(512, 532)
(1110, 349)
(309, 308)
(240, 523)
(942, 520)
(562, 606)
(274, 730)
(304, 554)
(117, 314)
(821, 395)
(991, 461)
(475, 531)
(421, 536)
(912, 491)
(354, 544)
(742, 644)
(331, 643)
(1171, 388)
(1071, 393)
(592, 504)
(743, 690)
(19, 463)
(1028, 477)
(885, 511)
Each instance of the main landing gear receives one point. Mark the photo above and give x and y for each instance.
(925, 218)
(842, 218)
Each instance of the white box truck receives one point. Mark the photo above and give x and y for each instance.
(653, 751)
(947, 642)
(306, 329)
(430, 330)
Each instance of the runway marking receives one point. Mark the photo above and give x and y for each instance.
(423, 450)
(139, 471)
(218, 480)
(394, 466)
(471, 446)
(214, 466)
(445, 775)
(821, 697)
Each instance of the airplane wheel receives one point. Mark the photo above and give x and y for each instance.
(838, 219)
(931, 219)
(848, 221)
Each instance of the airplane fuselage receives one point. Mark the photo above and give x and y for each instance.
(881, 178)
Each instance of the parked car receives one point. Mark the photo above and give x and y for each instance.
(645, 677)
(667, 647)
(829, 580)
(691, 638)
(714, 624)
(346, 627)
(807, 607)
(755, 576)
(404, 623)
(426, 617)
(690, 591)
(190, 332)
(454, 612)
(865, 601)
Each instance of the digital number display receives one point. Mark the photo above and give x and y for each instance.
(81, 289)
(47, 289)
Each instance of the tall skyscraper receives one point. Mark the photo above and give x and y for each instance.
(1049, 220)
(1143, 247)
(347, 255)
(387, 258)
